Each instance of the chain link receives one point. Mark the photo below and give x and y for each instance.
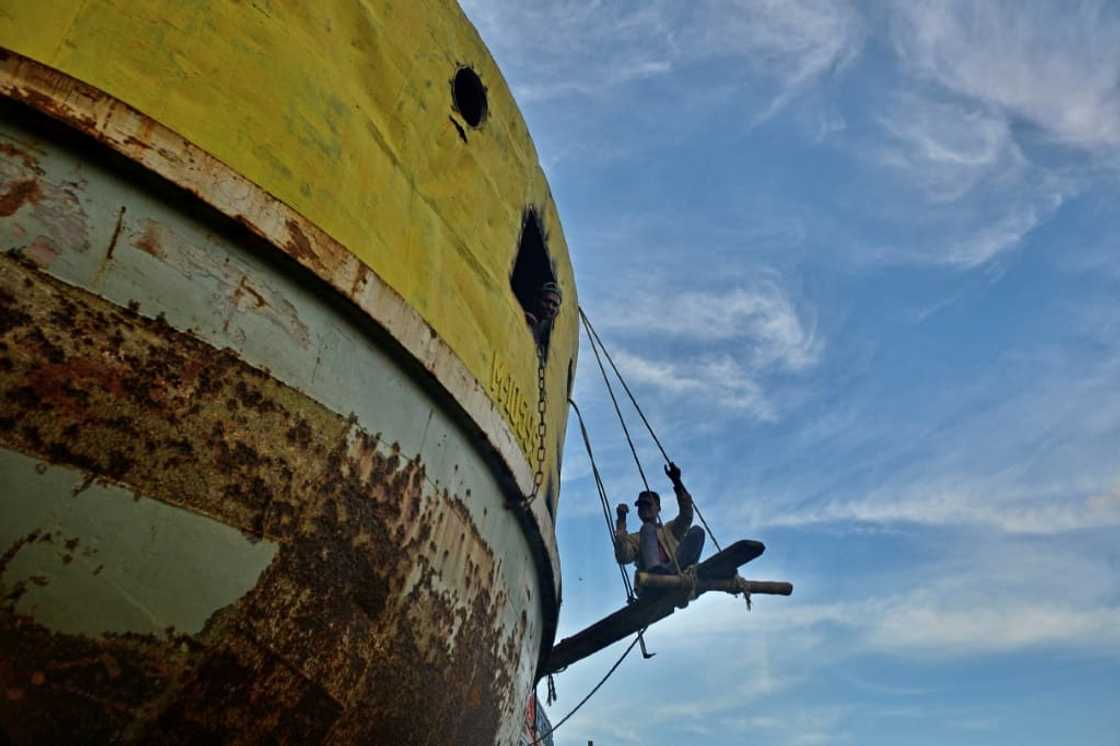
(542, 401)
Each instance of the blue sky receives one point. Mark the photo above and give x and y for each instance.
(859, 262)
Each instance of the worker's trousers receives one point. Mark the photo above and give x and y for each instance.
(688, 551)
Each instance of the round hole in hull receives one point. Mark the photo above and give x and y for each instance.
(469, 96)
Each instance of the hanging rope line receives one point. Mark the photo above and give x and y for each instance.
(593, 336)
(540, 738)
(595, 345)
(610, 390)
(604, 501)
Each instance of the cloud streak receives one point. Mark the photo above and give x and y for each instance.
(947, 149)
(918, 624)
(590, 47)
(581, 47)
(953, 611)
(727, 344)
(718, 378)
(794, 42)
(763, 318)
(959, 508)
(1054, 66)
(979, 195)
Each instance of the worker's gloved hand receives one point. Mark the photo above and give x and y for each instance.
(673, 472)
(621, 511)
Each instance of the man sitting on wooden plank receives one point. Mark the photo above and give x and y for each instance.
(654, 546)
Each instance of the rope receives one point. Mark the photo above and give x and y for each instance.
(690, 577)
(610, 390)
(540, 738)
(746, 589)
(706, 526)
(594, 336)
(595, 344)
(603, 500)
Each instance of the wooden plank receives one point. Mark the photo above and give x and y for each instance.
(727, 585)
(712, 574)
(608, 630)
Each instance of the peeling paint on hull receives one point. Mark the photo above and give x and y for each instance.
(92, 558)
(399, 602)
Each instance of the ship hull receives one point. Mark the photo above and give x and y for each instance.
(233, 509)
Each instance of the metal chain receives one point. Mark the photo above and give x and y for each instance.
(542, 402)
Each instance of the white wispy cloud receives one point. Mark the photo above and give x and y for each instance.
(1010, 453)
(764, 682)
(762, 318)
(1003, 234)
(590, 47)
(1056, 66)
(955, 507)
(717, 378)
(717, 349)
(945, 148)
(979, 195)
(923, 624)
(795, 42)
(814, 725)
(941, 623)
(1001, 597)
(583, 47)
(961, 610)
(983, 81)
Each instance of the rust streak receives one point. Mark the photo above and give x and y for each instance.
(244, 287)
(19, 194)
(299, 245)
(29, 161)
(92, 111)
(361, 279)
(351, 631)
(48, 104)
(149, 242)
(116, 234)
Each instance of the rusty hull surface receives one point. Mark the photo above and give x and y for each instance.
(166, 153)
(346, 636)
(387, 614)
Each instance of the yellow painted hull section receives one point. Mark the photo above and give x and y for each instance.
(342, 110)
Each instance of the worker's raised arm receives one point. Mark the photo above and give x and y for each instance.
(683, 521)
(625, 548)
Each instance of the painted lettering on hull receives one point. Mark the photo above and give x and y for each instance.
(520, 408)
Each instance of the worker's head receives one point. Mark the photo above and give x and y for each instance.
(548, 301)
(649, 505)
